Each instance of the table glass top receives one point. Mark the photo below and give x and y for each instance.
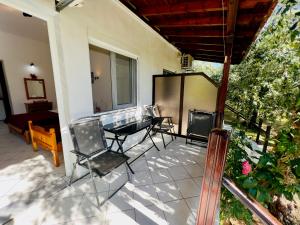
(130, 125)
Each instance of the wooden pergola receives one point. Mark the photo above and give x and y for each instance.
(215, 31)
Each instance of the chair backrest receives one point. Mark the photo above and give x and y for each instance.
(152, 111)
(88, 136)
(200, 123)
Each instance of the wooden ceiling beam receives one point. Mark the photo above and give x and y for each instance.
(245, 4)
(197, 40)
(185, 43)
(208, 59)
(203, 21)
(206, 48)
(261, 25)
(207, 40)
(184, 22)
(211, 53)
(199, 54)
(194, 7)
(208, 51)
(205, 33)
(186, 7)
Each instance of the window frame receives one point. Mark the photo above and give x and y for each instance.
(113, 49)
(133, 69)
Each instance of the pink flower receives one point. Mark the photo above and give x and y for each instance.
(246, 168)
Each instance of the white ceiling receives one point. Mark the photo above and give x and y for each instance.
(13, 21)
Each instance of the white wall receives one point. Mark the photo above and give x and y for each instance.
(100, 65)
(111, 25)
(17, 53)
(109, 22)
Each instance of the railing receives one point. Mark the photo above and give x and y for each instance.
(258, 127)
(256, 208)
(213, 180)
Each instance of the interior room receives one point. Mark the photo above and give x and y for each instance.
(29, 122)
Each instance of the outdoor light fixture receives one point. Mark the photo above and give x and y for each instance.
(94, 77)
(32, 70)
(26, 14)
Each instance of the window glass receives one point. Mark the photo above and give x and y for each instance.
(124, 80)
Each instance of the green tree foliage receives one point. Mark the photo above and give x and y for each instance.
(268, 82)
(268, 79)
(213, 70)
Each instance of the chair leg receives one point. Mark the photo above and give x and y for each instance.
(128, 173)
(172, 136)
(173, 128)
(174, 133)
(162, 136)
(129, 167)
(55, 158)
(94, 184)
(72, 174)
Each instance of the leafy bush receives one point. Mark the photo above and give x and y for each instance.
(273, 174)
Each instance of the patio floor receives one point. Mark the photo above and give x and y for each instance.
(164, 189)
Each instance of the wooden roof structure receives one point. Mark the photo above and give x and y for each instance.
(206, 29)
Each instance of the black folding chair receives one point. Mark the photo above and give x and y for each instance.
(166, 125)
(199, 126)
(91, 150)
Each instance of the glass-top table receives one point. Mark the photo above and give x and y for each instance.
(124, 128)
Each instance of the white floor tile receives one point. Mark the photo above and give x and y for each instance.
(186, 160)
(142, 178)
(6, 186)
(140, 165)
(198, 181)
(168, 191)
(122, 200)
(188, 188)
(194, 170)
(121, 218)
(160, 176)
(178, 173)
(153, 197)
(91, 199)
(179, 213)
(152, 215)
(193, 204)
(116, 180)
(146, 195)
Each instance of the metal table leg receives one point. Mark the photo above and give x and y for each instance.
(148, 133)
(120, 144)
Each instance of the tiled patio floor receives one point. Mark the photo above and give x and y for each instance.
(164, 190)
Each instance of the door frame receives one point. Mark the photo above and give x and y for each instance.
(3, 84)
(48, 14)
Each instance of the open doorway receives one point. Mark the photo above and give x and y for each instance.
(27, 94)
(5, 109)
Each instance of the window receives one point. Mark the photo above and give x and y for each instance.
(125, 78)
(114, 83)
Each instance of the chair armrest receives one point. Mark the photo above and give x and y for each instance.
(110, 138)
(166, 117)
(80, 154)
